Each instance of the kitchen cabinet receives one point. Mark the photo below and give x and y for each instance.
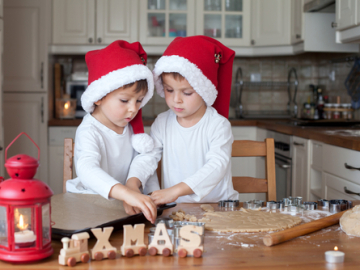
(163, 20)
(227, 21)
(25, 45)
(347, 21)
(56, 156)
(94, 21)
(300, 177)
(315, 171)
(27, 112)
(276, 22)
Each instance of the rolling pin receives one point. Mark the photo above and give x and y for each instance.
(288, 234)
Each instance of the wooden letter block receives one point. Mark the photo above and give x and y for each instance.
(193, 246)
(102, 248)
(134, 234)
(166, 248)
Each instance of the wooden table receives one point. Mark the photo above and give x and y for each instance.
(227, 251)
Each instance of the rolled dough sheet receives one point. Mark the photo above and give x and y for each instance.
(247, 220)
(350, 221)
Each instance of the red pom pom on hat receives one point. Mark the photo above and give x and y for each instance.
(205, 63)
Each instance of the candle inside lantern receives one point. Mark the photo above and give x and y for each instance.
(24, 236)
(334, 256)
(66, 107)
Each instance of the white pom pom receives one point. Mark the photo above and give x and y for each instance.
(142, 143)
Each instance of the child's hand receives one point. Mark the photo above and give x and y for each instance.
(136, 200)
(164, 196)
(131, 210)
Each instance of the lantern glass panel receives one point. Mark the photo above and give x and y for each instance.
(46, 223)
(24, 223)
(3, 227)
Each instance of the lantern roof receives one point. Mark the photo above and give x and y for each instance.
(24, 189)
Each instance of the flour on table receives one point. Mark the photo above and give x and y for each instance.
(248, 221)
(350, 221)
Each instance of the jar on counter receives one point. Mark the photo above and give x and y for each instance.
(336, 114)
(344, 114)
(328, 114)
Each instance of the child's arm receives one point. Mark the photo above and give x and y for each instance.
(136, 200)
(171, 194)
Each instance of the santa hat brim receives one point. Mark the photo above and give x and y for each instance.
(114, 80)
(174, 63)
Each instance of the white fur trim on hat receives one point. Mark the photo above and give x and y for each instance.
(114, 80)
(142, 143)
(174, 63)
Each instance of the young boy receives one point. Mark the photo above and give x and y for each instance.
(119, 85)
(194, 137)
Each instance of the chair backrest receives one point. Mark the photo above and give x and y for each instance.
(245, 148)
(69, 147)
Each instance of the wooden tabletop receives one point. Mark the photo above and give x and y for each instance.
(228, 251)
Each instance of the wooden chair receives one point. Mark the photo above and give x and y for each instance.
(256, 185)
(68, 162)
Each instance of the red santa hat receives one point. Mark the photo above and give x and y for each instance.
(119, 64)
(205, 63)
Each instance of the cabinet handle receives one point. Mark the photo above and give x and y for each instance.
(351, 167)
(333, 25)
(350, 192)
(90, 40)
(42, 110)
(252, 42)
(298, 36)
(284, 166)
(99, 40)
(42, 75)
(1, 148)
(299, 144)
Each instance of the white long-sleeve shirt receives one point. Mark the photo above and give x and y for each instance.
(102, 159)
(199, 156)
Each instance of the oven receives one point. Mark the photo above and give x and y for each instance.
(283, 165)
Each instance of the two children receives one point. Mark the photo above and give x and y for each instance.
(193, 137)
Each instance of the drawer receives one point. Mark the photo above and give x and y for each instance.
(316, 155)
(58, 134)
(334, 188)
(335, 158)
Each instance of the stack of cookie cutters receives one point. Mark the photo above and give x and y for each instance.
(336, 206)
(254, 204)
(229, 204)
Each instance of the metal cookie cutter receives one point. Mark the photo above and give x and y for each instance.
(298, 200)
(272, 205)
(323, 204)
(229, 203)
(310, 205)
(253, 204)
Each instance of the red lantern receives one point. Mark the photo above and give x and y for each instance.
(25, 211)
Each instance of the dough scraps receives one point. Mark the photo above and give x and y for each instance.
(350, 221)
(207, 208)
(180, 216)
(247, 220)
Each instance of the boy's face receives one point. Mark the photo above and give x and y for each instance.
(118, 108)
(183, 100)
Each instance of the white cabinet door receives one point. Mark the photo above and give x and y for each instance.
(345, 14)
(296, 21)
(270, 22)
(28, 113)
(2, 146)
(25, 45)
(74, 22)
(300, 168)
(116, 19)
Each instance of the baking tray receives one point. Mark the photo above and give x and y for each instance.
(74, 213)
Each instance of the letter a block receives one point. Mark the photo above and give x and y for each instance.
(102, 248)
(134, 234)
(161, 235)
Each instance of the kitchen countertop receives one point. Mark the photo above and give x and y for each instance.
(228, 250)
(320, 134)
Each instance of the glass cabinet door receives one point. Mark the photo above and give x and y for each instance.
(226, 20)
(163, 20)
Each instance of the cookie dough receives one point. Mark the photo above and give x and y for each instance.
(207, 208)
(181, 215)
(247, 220)
(350, 221)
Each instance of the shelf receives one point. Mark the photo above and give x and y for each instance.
(317, 192)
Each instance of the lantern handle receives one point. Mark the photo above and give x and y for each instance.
(16, 139)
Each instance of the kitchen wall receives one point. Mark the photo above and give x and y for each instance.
(312, 68)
